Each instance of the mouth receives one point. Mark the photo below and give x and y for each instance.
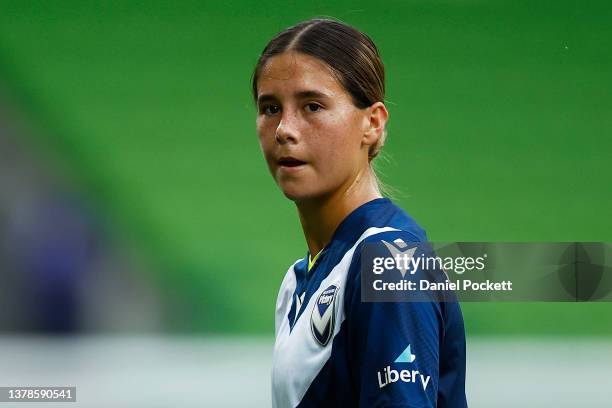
(290, 162)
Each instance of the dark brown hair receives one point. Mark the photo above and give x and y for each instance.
(351, 55)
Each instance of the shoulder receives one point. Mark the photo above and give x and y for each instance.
(386, 243)
(388, 230)
(392, 256)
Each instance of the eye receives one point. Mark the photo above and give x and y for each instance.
(313, 107)
(269, 109)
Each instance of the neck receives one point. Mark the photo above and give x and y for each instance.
(321, 216)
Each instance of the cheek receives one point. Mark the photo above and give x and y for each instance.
(260, 129)
(337, 152)
(265, 135)
(340, 138)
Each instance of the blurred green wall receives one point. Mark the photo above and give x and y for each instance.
(501, 118)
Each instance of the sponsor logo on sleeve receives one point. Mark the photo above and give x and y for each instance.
(390, 375)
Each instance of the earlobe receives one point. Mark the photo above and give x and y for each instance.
(376, 120)
(370, 136)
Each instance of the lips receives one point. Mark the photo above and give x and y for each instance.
(290, 162)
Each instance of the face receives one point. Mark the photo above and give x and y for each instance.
(310, 132)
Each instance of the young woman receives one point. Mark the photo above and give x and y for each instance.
(319, 90)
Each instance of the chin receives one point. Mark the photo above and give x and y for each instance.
(300, 195)
(295, 191)
(295, 195)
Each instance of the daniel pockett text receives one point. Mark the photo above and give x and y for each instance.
(398, 270)
(394, 269)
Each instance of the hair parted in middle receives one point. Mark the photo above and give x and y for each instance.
(350, 53)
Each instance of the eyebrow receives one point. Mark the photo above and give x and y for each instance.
(299, 95)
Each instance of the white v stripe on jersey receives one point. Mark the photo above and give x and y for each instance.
(298, 357)
(284, 298)
(298, 305)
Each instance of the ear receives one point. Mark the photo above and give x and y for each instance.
(375, 119)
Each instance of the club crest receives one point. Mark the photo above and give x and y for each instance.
(323, 312)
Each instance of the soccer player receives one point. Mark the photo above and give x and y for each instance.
(319, 91)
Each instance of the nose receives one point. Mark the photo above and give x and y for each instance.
(287, 130)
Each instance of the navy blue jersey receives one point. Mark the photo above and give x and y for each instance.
(333, 350)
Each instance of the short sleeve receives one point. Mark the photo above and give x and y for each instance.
(393, 347)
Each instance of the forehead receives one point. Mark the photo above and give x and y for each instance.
(293, 70)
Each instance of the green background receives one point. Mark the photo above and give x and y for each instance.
(500, 130)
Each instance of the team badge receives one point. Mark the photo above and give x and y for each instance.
(323, 313)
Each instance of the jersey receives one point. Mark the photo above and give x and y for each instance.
(334, 350)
